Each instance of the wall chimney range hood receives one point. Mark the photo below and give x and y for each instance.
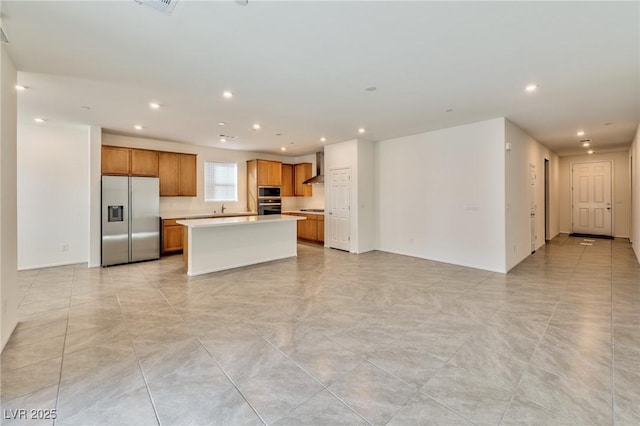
(319, 177)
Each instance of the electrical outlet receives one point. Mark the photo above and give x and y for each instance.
(65, 247)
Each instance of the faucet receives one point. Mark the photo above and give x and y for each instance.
(223, 208)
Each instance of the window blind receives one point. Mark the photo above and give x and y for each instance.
(220, 181)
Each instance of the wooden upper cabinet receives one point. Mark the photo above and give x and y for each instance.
(178, 174)
(302, 173)
(188, 182)
(129, 161)
(169, 164)
(269, 173)
(144, 162)
(286, 189)
(115, 160)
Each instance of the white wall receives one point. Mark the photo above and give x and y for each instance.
(621, 191)
(53, 195)
(525, 151)
(634, 156)
(359, 157)
(169, 205)
(367, 196)
(441, 195)
(8, 197)
(95, 194)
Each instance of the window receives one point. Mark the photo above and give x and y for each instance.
(220, 181)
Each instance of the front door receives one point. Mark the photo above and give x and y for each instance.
(592, 198)
(339, 208)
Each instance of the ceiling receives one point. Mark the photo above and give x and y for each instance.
(300, 69)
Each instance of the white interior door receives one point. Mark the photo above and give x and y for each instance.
(592, 198)
(339, 206)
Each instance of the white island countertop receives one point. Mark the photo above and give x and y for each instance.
(221, 243)
(241, 220)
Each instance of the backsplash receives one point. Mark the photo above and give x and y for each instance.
(316, 201)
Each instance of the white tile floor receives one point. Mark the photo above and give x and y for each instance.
(332, 338)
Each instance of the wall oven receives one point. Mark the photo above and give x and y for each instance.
(268, 192)
(269, 206)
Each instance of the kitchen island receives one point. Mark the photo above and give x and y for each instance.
(217, 244)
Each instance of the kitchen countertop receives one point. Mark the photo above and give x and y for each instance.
(303, 212)
(192, 215)
(242, 220)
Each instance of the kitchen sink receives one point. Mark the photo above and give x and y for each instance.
(312, 210)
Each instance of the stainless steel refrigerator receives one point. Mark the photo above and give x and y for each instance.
(130, 219)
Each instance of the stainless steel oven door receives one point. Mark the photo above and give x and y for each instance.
(269, 208)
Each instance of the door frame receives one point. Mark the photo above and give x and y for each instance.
(613, 187)
(328, 207)
(547, 165)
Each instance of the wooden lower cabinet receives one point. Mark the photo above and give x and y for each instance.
(320, 228)
(311, 229)
(172, 236)
(308, 229)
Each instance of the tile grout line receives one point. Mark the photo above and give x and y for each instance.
(64, 344)
(133, 346)
(212, 358)
(612, 342)
(311, 375)
(528, 363)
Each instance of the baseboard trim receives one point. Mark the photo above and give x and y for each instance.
(51, 265)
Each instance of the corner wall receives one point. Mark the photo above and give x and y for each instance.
(441, 195)
(8, 198)
(53, 202)
(525, 151)
(620, 196)
(634, 159)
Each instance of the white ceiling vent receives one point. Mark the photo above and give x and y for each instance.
(164, 6)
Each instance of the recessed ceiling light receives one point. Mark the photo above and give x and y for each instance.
(154, 105)
(227, 95)
(85, 107)
(591, 152)
(323, 139)
(284, 148)
(20, 87)
(278, 134)
(608, 124)
(580, 133)
(242, 2)
(221, 123)
(361, 130)
(448, 110)
(137, 127)
(371, 89)
(256, 126)
(38, 120)
(531, 88)
(585, 144)
(223, 140)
